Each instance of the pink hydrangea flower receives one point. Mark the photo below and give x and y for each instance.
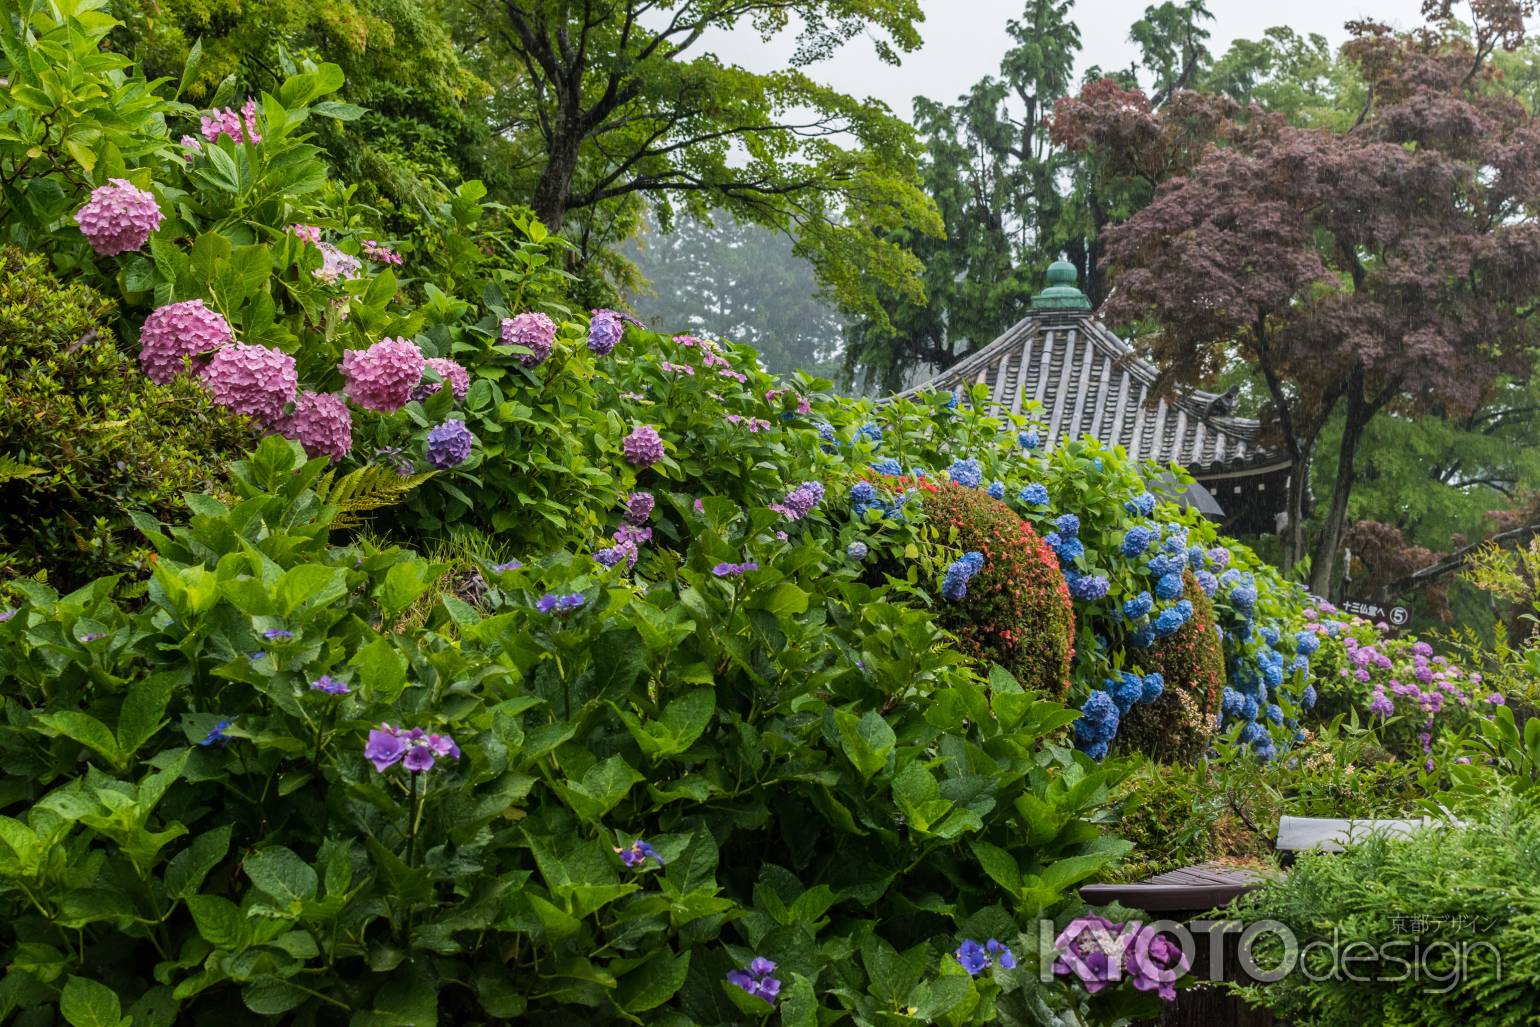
(459, 379)
(241, 126)
(381, 254)
(176, 332)
(322, 423)
(383, 376)
(532, 330)
(643, 447)
(118, 218)
(252, 380)
(307, 233)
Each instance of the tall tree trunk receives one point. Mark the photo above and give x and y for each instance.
(1292, 535)
(1323, 561)
(554, 188)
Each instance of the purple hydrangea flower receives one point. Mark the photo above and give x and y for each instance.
(450, 371)
(756, 980)
(449, 444)
(322, 423)
(257, 381)
(383, 376)
(733, 570)
(1089, 587)
(639, 507)
(415, 749)
(637, 853)
(972, 957)
(240, 126)
(799, 502)
(178, 332)
(643, 447)
(556, 603)
(605, 329)
(955, 586)
(118, 218)
(533, 331)
(857, 551)
(330, 685)
(620, 552)
(510, 565)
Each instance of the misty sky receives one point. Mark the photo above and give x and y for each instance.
(964, 40)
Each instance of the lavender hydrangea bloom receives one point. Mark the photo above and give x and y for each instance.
(415, 749)
(756, 980)
(639, 507)
(637, 853)
(800, 501)
(605, 329)
(856, 551)
(966, 473)
(330, 685)
(278, 634)
(955, 585)
(972, 957)
(118, 218)
(734, 570)
(614, 555)
(556, 603)
(383, 376)
(178, 332)
(450, 371)
(384, 748)
(336, 266)
(511, 565)
(643, 447)
(322, 423)
(449, 444)
(533, 331)
(256, 381)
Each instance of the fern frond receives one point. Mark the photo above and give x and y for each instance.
(363, 490)
(12, 469)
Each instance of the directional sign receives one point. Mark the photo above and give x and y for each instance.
(1395, 616)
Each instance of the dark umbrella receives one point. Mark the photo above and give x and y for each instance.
(1192, 496)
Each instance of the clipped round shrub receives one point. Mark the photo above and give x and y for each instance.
(1178, 726)
(85, 437)
(1016, 608)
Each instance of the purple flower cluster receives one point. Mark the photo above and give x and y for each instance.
(415, 749)
(643, 447)
(322, 423)
(1098, 724)
(177, 332)
(450, 371)
(330, 685)
(800, 501)
(534, 332)
(381, 254)
(253, 380)
(1100, 953)
(639, 507)
(118, 218)
(605, 329)
(449, 444)
(336, 266)
(240, 126)
(638, 853)
(560, 603)
(383, 376)
(756, 980)
(734, 570)
(976, 958)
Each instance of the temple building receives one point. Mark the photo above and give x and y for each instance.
(1090, 382)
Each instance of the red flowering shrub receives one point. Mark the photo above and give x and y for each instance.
(1178, 726)
(1017, 612)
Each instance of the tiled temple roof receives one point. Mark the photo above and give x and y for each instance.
(1090, 382)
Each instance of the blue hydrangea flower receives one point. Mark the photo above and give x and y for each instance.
(828, 438)
(1141, 506)
(1068, 525)
(217, 736)
(888, 466)
(1034, 495)
(972, 957)
(856, 551)
(551, 602)
(997, 490)
(1029, 439)
(1136, 540)
(449, 444)
(1163, 564)
(863, 492)
(1307, 698)
(1274, 713)
(1088, 587)
(966, 473)
(1126, 690)
(1143, 638)
(1169, 622)
(955, 586)
(1207, 582)
(1306, 643)
(1139, 606)
(1154, 687)
(1169, 586)
(872, 431)
(1232, 703)
(1244, 597)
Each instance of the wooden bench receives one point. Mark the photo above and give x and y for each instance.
(1208, 886)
